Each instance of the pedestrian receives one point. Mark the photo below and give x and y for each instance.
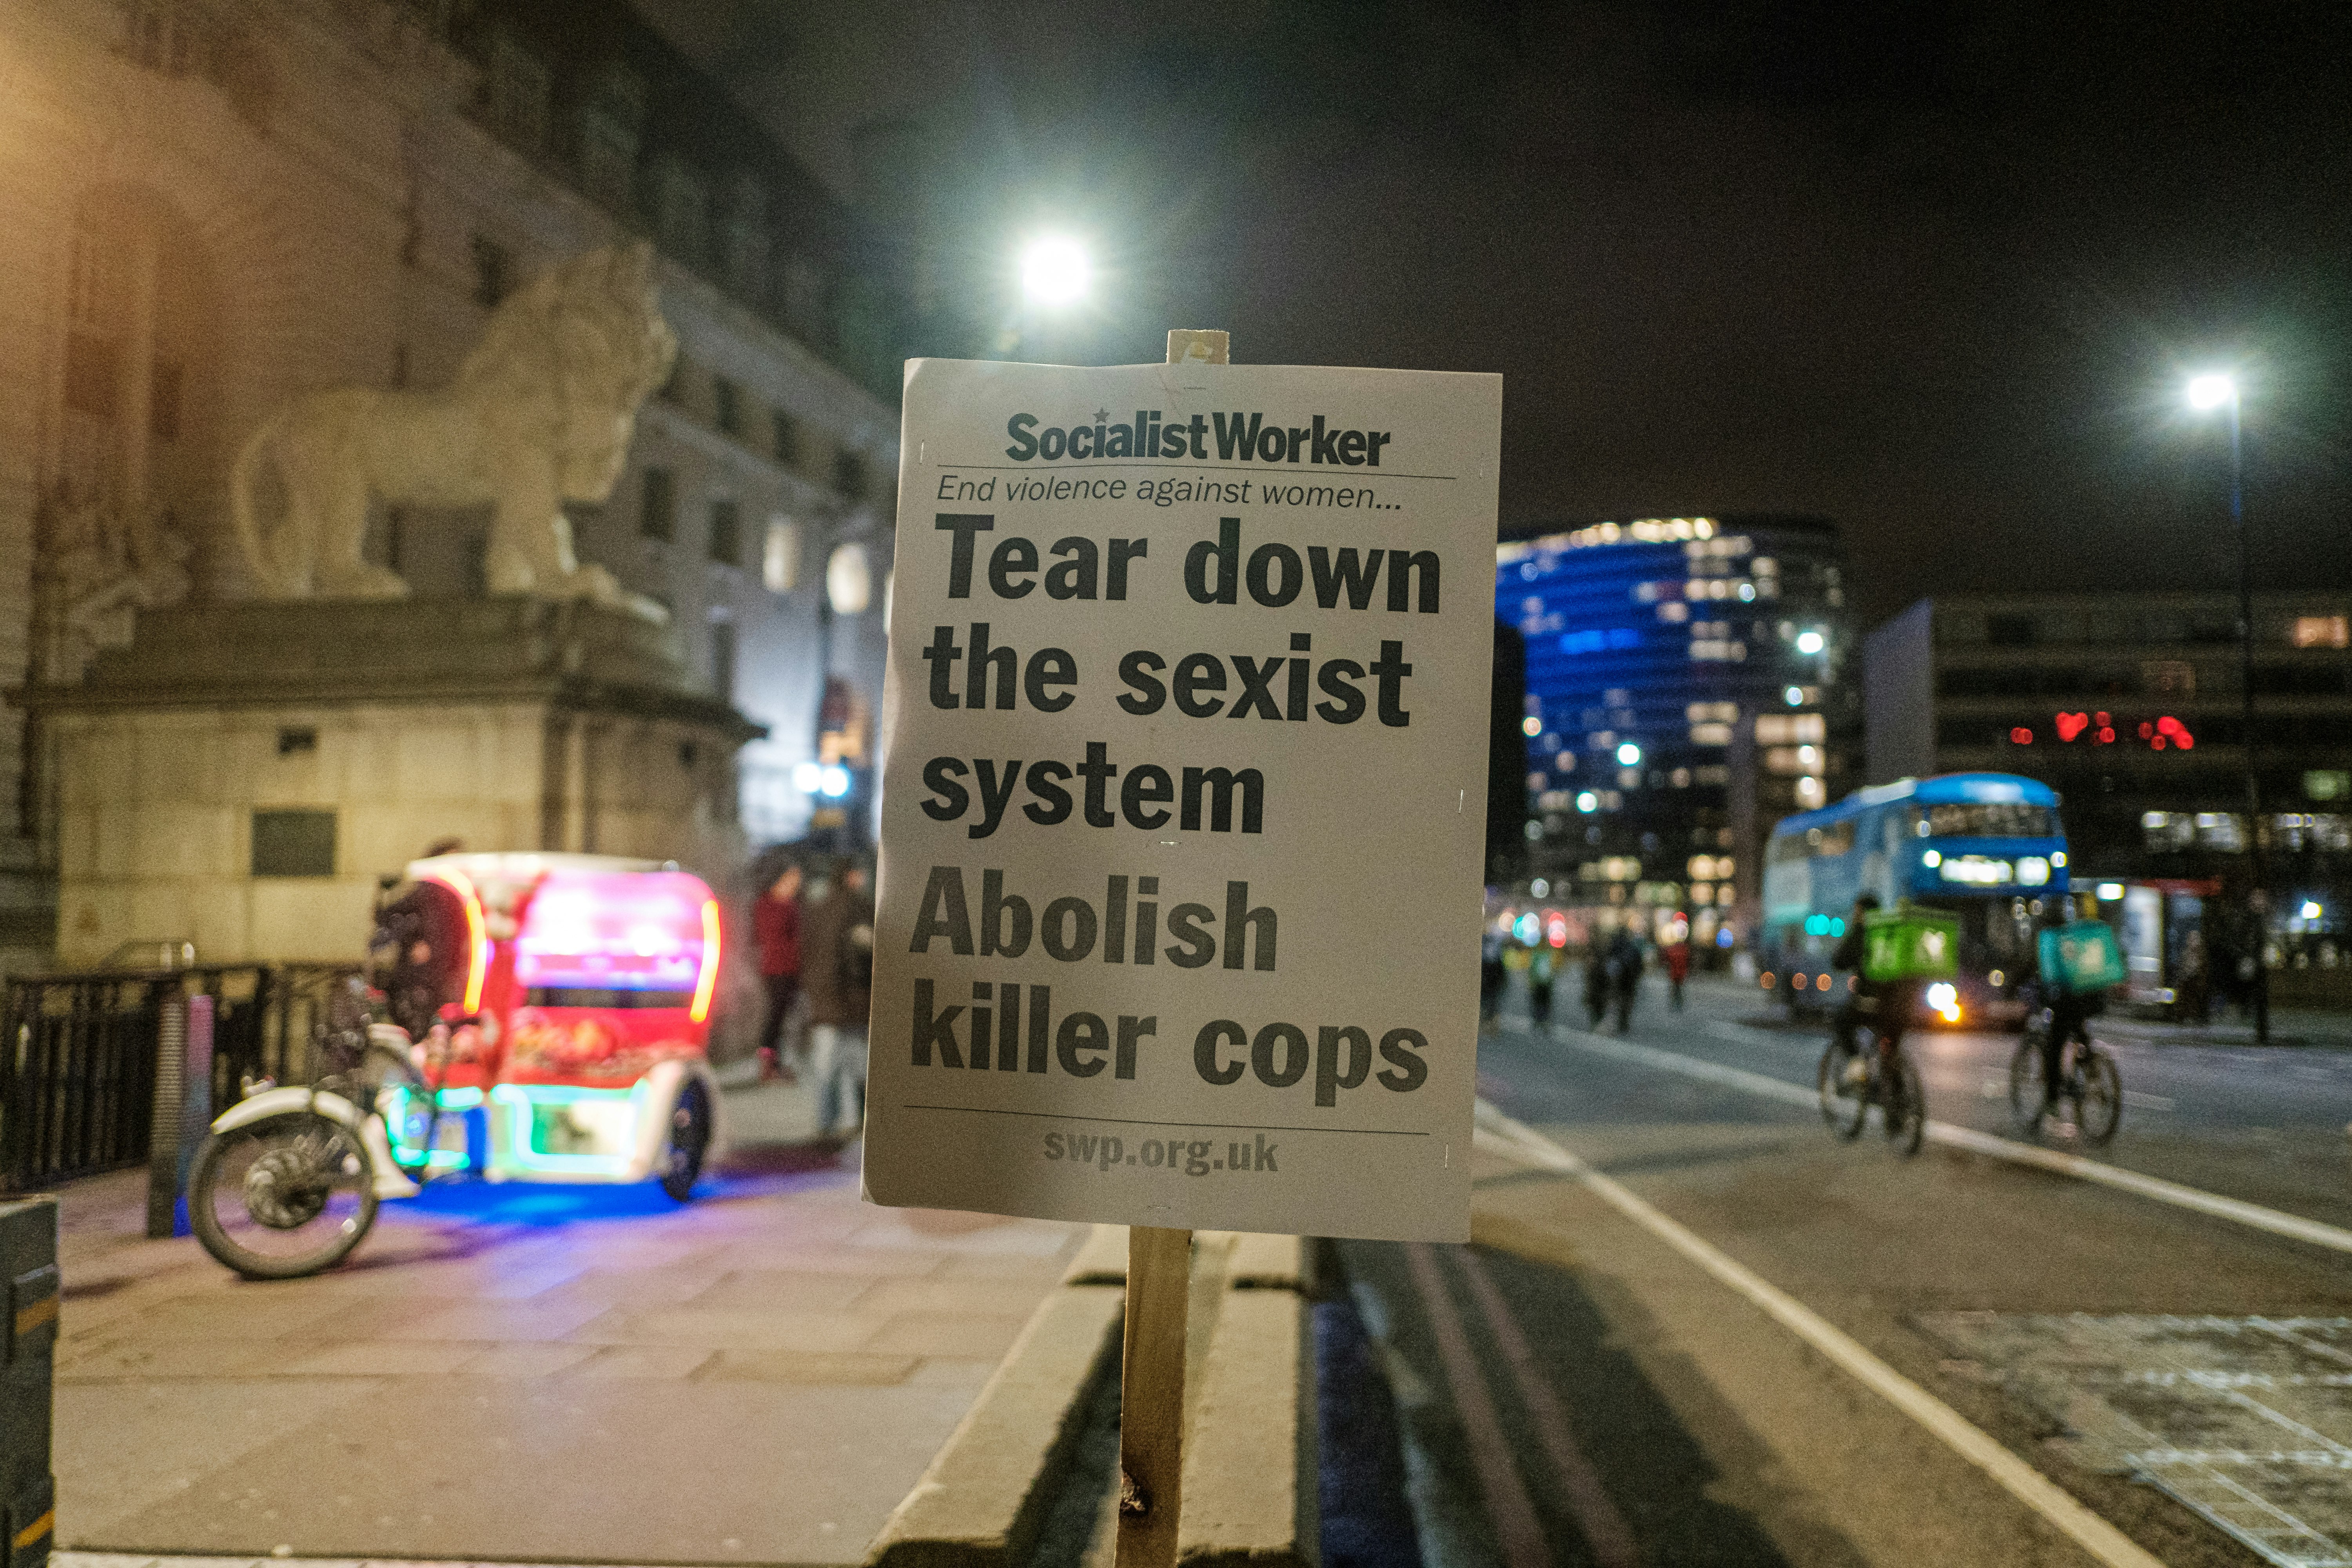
(423, 935)
(837, 973)
(1624, 975)
(1596, 981)
(1491, 975)
(2194, 989)
(1543, 969)
(1677, 971)
(776, 924)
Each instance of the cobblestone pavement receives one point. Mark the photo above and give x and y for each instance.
(539, 1373)
(2247, 1420)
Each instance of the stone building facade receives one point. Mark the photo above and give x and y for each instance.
(219, 205)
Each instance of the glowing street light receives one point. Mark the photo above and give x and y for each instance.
(2210, 391)
(1629, 755)
(1056, 271)
(1810, 642)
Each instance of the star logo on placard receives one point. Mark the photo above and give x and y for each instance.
(1102, 416)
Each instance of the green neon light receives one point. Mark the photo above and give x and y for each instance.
(522, 1099)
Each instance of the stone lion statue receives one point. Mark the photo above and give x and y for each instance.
(541, 413)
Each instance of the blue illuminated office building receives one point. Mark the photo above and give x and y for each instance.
(1688, 685)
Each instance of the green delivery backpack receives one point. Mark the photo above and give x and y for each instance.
(1907, 943)
(2082, 955)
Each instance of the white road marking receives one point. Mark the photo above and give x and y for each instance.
(2275, 1221)
(1501, 1135)
(2148, 1101)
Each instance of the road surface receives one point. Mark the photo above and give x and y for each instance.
(1702, 1329)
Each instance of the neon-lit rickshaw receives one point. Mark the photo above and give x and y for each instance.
(573, 1050)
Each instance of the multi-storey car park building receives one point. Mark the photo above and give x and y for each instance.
(1686, 682)
(2131, 705)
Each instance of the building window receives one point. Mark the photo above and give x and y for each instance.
(722, 660)
(726, 405)
(780, 555)
(682, 212)
(2328, 784)
(2168, 677)
(727, 533)
(493, 272)
(2010, 631)
(477, 565)
(2321, 631)
(611, 119)
(804, 293)
(657, 505)
(608, 161)
(1786, 729)
(163, 400)
(785, 438)
(293, 843)
(849, 474)
(743, 239)
(517, 93)
(170, 36)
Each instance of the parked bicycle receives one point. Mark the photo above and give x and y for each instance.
(1871, 1072)
(2088, 1081)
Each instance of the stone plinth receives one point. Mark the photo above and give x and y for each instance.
(512, 723)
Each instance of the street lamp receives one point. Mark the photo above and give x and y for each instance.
(1056, 271)
(2206, 392)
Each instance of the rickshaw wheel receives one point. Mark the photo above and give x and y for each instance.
(689, 1137)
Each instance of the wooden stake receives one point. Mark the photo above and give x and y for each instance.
(1159, 1287)
(1151, 1396)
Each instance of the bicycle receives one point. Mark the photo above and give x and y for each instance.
(1867, 1071)
(288, 1180)
(2089, 1081)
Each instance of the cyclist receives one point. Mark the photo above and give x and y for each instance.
(1885, 1004)
(2069, 1009)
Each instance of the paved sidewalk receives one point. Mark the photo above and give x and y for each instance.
(540, 1373)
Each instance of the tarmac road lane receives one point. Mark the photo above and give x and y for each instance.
(2046, 1311)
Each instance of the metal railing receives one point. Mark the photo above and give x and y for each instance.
(78, 1056)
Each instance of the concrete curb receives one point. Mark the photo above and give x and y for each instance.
(1250, 1464)
(1250, 1456)
(986, 1493)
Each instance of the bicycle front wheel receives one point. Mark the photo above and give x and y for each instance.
(2027, 1093)
(2099, 1101)
(282, 1198)
(1841, 1081)
(1906, 1104)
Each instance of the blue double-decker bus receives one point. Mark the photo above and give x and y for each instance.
(1987, 847)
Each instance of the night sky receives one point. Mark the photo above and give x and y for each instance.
(1933, 271)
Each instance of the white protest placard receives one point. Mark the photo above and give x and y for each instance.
(1185, 736)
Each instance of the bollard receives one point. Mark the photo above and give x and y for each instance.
(182, 1109)
(28, 1338)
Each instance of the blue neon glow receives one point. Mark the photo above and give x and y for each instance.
(1595, 640)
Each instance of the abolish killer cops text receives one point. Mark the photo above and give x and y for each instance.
(1002, 1030)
